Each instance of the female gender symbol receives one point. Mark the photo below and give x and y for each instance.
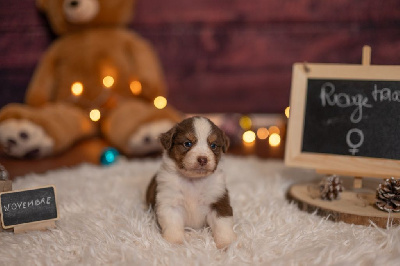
(354, 146)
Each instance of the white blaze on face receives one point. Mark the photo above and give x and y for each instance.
(80, 11)
(202, 130)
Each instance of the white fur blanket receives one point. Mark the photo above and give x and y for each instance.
(104, 221)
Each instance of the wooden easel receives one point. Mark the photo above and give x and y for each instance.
(356, 204)
(366, 61)
(303, 74)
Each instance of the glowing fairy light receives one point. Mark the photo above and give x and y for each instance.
(274, 129)
(160, 102)
(109, 156)
(245, 122)
(274, 140)
(77, 88)
(287, 111)
(262, 133)
(136, 87)
(108, 81)
(249, 136)
(95, 115)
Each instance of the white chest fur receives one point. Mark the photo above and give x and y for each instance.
(191, 198)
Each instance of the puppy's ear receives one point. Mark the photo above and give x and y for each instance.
(227, 142)
(166, 138)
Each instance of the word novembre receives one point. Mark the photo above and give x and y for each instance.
(26, 204)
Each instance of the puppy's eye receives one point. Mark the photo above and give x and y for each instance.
(213, 146)
(187, 144)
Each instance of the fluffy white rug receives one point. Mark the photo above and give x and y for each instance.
(104, 221)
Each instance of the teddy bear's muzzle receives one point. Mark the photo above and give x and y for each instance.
(80, 11)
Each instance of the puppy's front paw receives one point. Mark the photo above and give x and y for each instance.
(223, 232)
(174, 237)
(223, 241)
(145, 139)
(24, 139)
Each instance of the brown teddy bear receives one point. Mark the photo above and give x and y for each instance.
(97, 64)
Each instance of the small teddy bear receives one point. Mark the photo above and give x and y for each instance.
(97, 67)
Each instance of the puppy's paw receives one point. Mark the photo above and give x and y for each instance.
(223, 241)
(174, 237)
(223, 232)
(24, 139)
(145, 139)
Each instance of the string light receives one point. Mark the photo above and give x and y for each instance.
(249, 136)
(274, 129)
(262, 133)
(274, 140)
(108, 81)
(160, 102)
(77, 88)
(136, 87)
(109, 156)
(287, 111)
(95, 115)
(245, 122)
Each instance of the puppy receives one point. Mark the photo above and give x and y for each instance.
(189, 189)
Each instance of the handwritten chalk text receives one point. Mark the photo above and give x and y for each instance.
(385, 95)
(344, 100)
(26, 204)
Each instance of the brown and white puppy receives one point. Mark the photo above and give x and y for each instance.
(189, 189)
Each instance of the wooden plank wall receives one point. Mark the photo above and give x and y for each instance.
(225, 55)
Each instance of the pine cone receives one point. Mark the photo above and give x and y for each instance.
(3, 173)
(330, 187)
(388, 195)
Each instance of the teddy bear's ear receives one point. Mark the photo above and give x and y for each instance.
(41, 4)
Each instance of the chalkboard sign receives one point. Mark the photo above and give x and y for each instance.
(353, 117)
(345, 119)
(28, 206)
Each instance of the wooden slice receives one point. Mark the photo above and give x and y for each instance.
(353, 207)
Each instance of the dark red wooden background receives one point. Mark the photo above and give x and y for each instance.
(223, 55)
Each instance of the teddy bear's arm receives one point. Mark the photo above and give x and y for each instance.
(146, 67)
(41, 87)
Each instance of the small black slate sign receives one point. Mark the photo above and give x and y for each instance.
(28, 206)
(353, 117)
(345, 119)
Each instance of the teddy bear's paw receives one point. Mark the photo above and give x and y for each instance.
(24, 139)
(145, 139)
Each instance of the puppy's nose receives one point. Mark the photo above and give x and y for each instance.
(202, 160)
(147, 139)
(74, 3)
